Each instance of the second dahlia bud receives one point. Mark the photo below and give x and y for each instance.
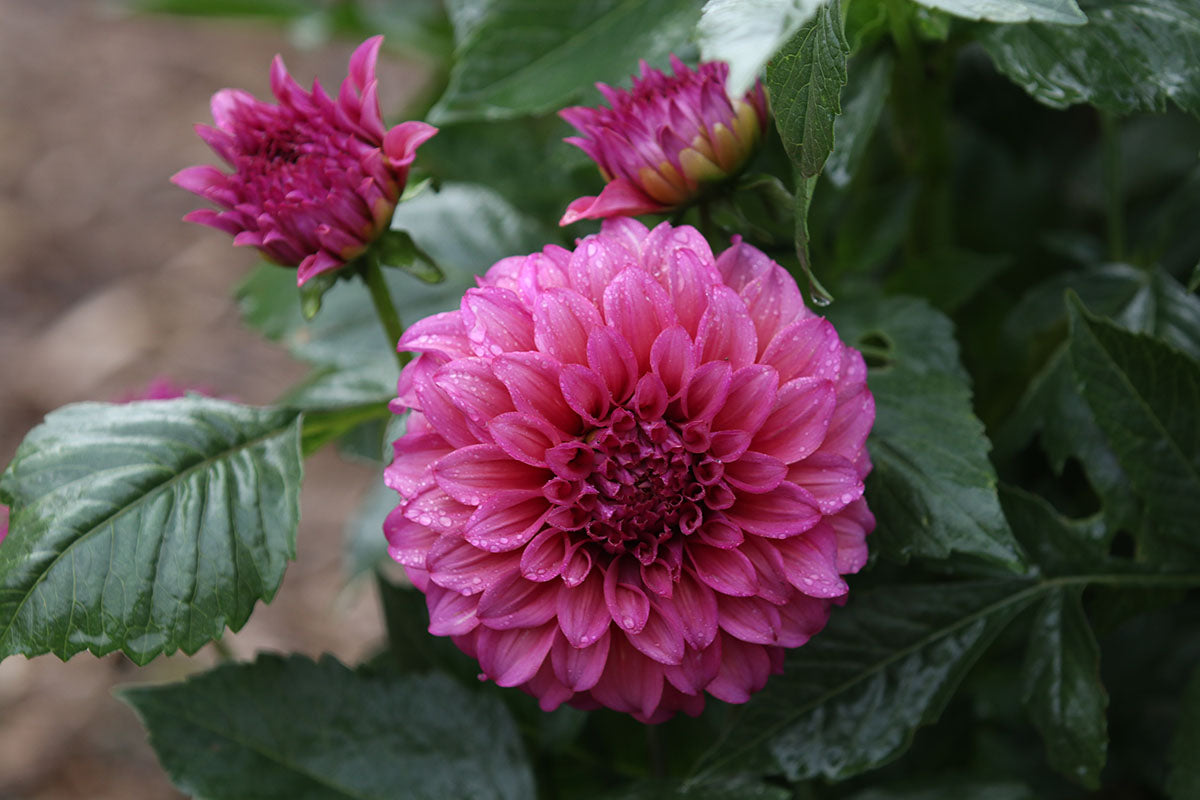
(662, 141)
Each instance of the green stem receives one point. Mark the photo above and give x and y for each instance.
(223, 651)
(385, 309)
(1111, 144)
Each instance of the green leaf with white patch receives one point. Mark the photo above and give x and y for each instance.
(147, 527)
(746, 33)
(1061, 12)
(1132, 55)
(234, 733)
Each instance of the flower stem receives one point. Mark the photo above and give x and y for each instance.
(385, 309)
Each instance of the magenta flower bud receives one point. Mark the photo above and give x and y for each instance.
(315, 180)
(632, 474)
(660, 143)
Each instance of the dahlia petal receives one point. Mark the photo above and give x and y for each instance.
(450, 613)
(439, 333)
(726, 332)
(401, 142)
(618, 198)
(661, 638)
(546, 687)
(695, 670)
(532, 381)
(726, 571)
(798, 423)
(582, 612)
(562, 320)
(631, 682)
(650, 397)
(809, 561)
(593, 266)
(756, 473)
(525, 437)
(808, 348)
(627, 603)
(585, 392)
(580, 667)
(658, 578)
(784, 511)
(362, 62)
(542, 559)
(471, 474)
(750, 619)
(741, 264)
(638, 308)
(666, 241)
(456, 564)
(627, 232)
(707, 390)
(673, 359)
(773, 302)
(832, 479)
(773, 585)
(851, 527)
(514, 602)
(719, 533)
(213, 219)
(697, 607)
(315, 264)
(199, 180)
(729, 446)
(409, 472)
(752, 392)
(511, 657)
(849, 425)
(506, 520)
(408, 542)
(571, 460)
(443, 415)
(496, 321)
(611, 357)
(577, 565)
(744, 670)
(436, 509)
(801, 618)
(474, 389)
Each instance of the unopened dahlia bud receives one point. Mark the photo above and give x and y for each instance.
(315, 179)
(661, 142)
(633, 472)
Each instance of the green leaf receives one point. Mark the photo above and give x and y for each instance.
(146, 527)
(518, 57)
(868, 80)
(1144, 395)
(948, 277)
(396, 248)
(852, 698)
(805, 82)
(289, 728)
(746, 33)
(1194, 281)
(1062, 689)
(464, 228)
(322, 427)
(933, 488)
(1063, 12)
(270, 9)
(1183, 783)
(1053, 543)
(1132, 55)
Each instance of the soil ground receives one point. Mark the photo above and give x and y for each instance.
(102, 287)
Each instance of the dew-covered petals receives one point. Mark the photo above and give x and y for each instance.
(726, 332)
(580, 668)
(471, 474)
(562, 322)
(797, 425)
(506, 520)
(511, 657)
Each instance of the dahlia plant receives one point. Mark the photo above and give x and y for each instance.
(645, 521)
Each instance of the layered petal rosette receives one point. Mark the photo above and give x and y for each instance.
(659, 144)
(632, 473)
(315, 179)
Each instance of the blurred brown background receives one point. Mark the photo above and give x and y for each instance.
(102, 287)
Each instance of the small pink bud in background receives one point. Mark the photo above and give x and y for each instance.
(315, 179)
(662, 141)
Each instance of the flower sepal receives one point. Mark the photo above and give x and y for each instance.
(396, 249)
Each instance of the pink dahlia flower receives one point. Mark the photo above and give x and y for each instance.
(315, 180)
(632, 473)
(661, 142)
